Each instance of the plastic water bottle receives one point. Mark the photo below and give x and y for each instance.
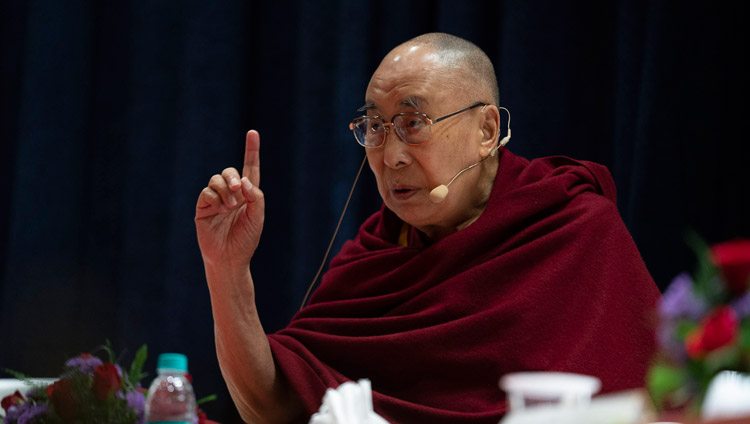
(170, 398)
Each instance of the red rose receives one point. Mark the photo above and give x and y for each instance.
(720, 328)
(12, 400)
(693, 346)
(202, 419)
(733, 260)
(63, 398)
(107, 380)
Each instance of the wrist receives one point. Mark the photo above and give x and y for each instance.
(230, 281)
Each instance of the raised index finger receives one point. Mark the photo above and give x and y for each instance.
(251, 167)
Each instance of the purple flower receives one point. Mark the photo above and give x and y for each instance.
(12, 414)
(742, 306)
(679, 301)
(28, 415)
(86, 363)
(137, 402)
(669, 344)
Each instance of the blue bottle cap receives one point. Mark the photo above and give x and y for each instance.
(172, 361)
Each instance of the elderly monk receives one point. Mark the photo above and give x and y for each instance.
(524, 265)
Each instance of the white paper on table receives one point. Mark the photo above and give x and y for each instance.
(350, 403)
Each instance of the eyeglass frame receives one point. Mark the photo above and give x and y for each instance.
(389, 125)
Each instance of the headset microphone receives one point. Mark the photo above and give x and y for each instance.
(439, 193)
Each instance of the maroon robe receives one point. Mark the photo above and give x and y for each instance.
(547, 278)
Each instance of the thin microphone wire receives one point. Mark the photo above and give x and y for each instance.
(335, 232)
(346, 205)
(508, 112)
(482, 160)
(465, 169)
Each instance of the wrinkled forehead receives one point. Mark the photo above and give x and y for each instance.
(411, 71)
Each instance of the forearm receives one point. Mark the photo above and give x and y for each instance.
(260, 392)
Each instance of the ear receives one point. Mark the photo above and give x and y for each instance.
(489, 128)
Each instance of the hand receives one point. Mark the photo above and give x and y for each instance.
(230, 211)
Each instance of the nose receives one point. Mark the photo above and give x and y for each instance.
(395, 152)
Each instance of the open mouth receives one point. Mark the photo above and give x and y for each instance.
(402, 193)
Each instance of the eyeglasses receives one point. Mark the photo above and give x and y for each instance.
(413, 128)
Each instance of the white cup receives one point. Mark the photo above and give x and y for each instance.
(727, 396)
(526, 389)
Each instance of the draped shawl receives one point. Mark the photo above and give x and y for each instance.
(547, 278)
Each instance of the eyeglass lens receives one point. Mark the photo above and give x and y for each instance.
(412, 128)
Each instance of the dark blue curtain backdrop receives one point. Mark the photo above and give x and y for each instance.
(115, 114)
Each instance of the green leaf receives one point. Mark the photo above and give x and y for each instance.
(744, 340)
(136, 373)
(726, 358)
(664, 380)
(683, 328)
(17, 375)
(705, 279)
(107, 347)
(209, 398)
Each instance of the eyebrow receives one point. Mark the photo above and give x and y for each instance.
(411, 101)
(367, 106)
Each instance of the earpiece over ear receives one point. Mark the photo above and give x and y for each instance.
(505, 139)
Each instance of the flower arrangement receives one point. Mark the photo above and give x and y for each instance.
(704, 325)
(89, 391)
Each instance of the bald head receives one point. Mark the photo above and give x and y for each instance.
(439, 76)
(455, 53)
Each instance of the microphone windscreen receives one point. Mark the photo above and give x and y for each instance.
(438, 193)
